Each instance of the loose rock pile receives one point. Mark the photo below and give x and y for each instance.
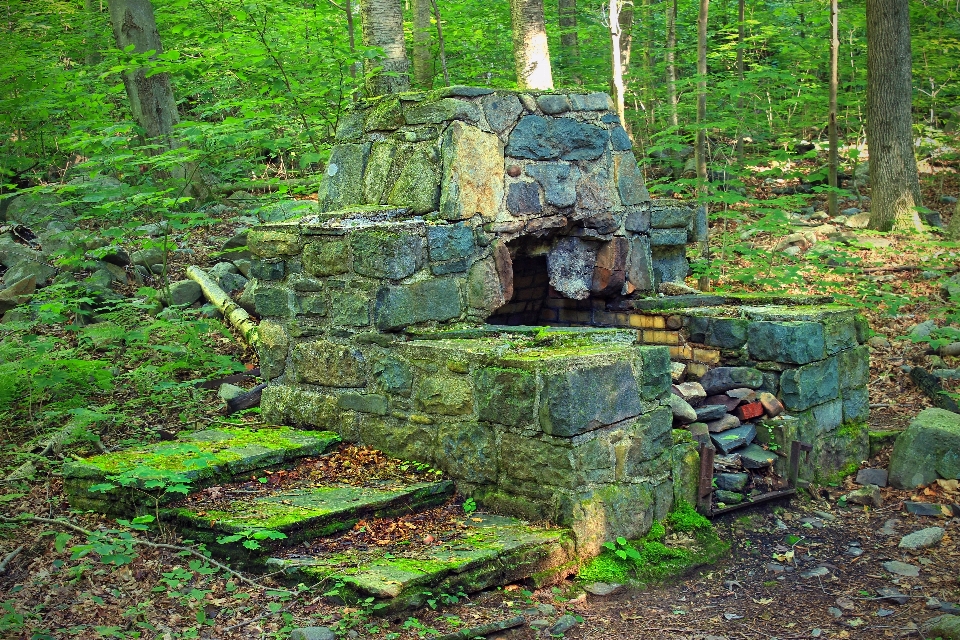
(725, 408)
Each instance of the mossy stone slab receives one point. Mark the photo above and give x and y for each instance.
(307, 513)
(201, 458)
(492, 550)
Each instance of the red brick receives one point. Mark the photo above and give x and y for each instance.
(748, 411)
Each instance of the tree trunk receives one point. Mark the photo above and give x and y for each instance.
(92, 11)
(422, 56)
(895, 186)
(832, 206)
(530, 52)
(151, 98)
(740, 70)
(569, 40)
(701, 149)
(671, 60)
(616, 63)
(383, 28)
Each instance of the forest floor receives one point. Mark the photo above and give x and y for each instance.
(52, 588)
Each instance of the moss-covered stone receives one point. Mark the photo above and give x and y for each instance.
(388, 254)
(327, 364)
(468, 451)
(794, 342)
(854, 368)
(856, 404)
(725, 333)
(199, 458)
(393, 376)
(445, 395)
(285, 403)
(441, 111)
(473, 175)
(587, 397)
(325, 258)
(378, 170)
(273, 301)
(810, 385)
(274, 243)
(655, 372)
(364, 403)
(385, 116)
(430, 300)
(653, 437)
(342, 183)
(506, 396)
(272, 347)
(418, 185)
(350, 307)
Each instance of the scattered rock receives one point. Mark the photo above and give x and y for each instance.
(229, 391)
(563, 624)
(867, 495)
(313, 633)
(889, 527)
(602, 588)
(682, 411)
(922, 330)
(901, 569)
(728, 497)
(923, 508)
(771, 405)
(858, 221)
(817, 572)
(725, 423)
(851, 211)
(17, 293)
(708, 412)
(756, 457)
(889, 593)
(921, 539)
(732, 481)
(829, 517)
(926, 450)
(539, 624)
(836, 613)
(675, 289)
(932, 603)
(948, 199)
(183, 292)
(878, 342)
(815, 523)
(692, 392)
(736, 438)
(721, 379)
(952, 349)
(872, 476)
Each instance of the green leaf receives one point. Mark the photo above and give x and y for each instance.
(60, 542)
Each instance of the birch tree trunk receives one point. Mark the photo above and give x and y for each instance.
(834, 160)
(616, 61)
(530, 52)
(383, 28)
(895, 186)
(422, 55)
(671, 57)
(701, 148)
(569, 40)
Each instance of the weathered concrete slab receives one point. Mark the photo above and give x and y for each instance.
(304, 513)
(487, 550)
(141, 476)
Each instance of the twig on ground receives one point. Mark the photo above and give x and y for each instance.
(9, 557)
(147, 543)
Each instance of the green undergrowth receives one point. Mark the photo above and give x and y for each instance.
(96, 372)
(683, 541)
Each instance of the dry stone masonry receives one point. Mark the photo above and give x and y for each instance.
(398, 314)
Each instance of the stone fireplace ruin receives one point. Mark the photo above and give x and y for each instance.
(478, 292)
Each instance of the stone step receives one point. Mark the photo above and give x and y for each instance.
(479, 552)
(132, 480)
(301, 514)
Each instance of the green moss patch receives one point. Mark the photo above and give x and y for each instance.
(481, 551)
(124, 480)
(306, 513)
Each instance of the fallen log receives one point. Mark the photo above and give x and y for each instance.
(245, 400)
(930, 385)
(238, 318)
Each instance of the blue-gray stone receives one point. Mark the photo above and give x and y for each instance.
(610, 118)
(668, 237)
(656, 367)
(637, 219)
(589, 397)
(794, 342)
(640, 263)
(756, 457)
(725, 333)
(928, 449)
(313, 633)
(385, 254)
(501, 110)
(620, 139)
(431, 300)
(553, 104)
(597, 101)
(721, 379)
(670, 264)
(669, 216)
(393, 376)
(709, 412)
(630, 180)
(840, 333)
(463, 91)
(810, 385)
(523, 198)
(856, 404)
(558, 179)
(854, 367)
(342, 182)
(538, 138)
(268, 269)
(699, 225)
(732, 481)
(732, 439)
(450, 241)
(273, 301)
(451, 266)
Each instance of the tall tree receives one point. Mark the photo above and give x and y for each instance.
(701, 147)
(383, 28)
(671, 56)
(834, 161)
(422, 56)
(895, 186)
(151, 96)
(740, 70)
(569, 39)
(531, 55)
(616, 59)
